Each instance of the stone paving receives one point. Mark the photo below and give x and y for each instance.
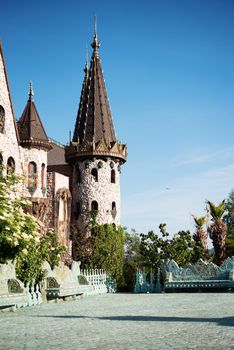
(123, 321)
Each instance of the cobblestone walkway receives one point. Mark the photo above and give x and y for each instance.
(123, 321)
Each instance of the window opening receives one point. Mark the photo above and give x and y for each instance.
(94, 173)
(2, 119)
(112, 176)
(10, 166)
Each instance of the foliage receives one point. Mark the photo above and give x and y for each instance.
(20, 239)
(154, 248)
(216, 212)
(229, 220)
(132, 259)
(107, 246)
(218, 230)
(81, 244)
(200, 238)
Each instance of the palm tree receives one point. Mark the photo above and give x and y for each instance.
(218, 230)
(200, 236)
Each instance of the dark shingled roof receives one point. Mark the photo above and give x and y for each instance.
(94, 121)
(94, 134)
(31, 130)
(56, 156)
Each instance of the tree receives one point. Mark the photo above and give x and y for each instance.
(81, 246)
(132, 259)
(229, 220)
(154, 248)
(107, 247)
(200, 238)
(218, 230)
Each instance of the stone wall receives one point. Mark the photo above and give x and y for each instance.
(8, 138)
(86, 190)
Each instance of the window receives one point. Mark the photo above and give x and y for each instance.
(113, 210)
(77, 210)
(94, 173)
(78, 175)
(62, 208)
(2, 119)
(10, 166)
(94, 206)
(32, 176)
(43, 176)
(112, 176)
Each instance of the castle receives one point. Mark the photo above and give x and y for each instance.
(65, 183)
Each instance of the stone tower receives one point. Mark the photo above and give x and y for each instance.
(94, 152)
(34, 147)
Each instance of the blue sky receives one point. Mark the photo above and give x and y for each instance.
(168, 67)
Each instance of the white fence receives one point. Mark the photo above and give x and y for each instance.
(97, 278)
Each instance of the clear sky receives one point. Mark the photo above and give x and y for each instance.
(168, 67)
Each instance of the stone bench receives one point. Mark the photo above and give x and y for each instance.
(67, 291)
(200, 277)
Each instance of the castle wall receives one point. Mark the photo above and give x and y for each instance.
(8, 139)
(102, 191)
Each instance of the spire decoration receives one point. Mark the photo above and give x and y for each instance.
(31, 93)
(95, 44)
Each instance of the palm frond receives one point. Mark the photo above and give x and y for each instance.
(217, 211)
(199, 221)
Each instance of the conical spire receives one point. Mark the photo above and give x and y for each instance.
(31, 130)
(94, 121)
(94, 131)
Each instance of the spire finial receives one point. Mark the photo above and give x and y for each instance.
(95, 25)
(95, 44)
(31, 93)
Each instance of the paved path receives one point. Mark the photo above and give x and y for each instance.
(123, 321)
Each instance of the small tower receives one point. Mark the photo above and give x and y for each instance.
(35, 145)
(94, 152)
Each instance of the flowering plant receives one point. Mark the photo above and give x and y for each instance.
(20, 239)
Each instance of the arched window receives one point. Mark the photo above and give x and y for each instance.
(77, 210)
(10, 166)
(2, 119)
(32, 176)
(94, 173)
(113, 210)
(94, 206)
(63, 207)
(1, 164)
(78, 175)
(112, 176)
(43, 177)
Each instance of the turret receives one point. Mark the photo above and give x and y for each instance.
(35, 145)
(94, 152)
